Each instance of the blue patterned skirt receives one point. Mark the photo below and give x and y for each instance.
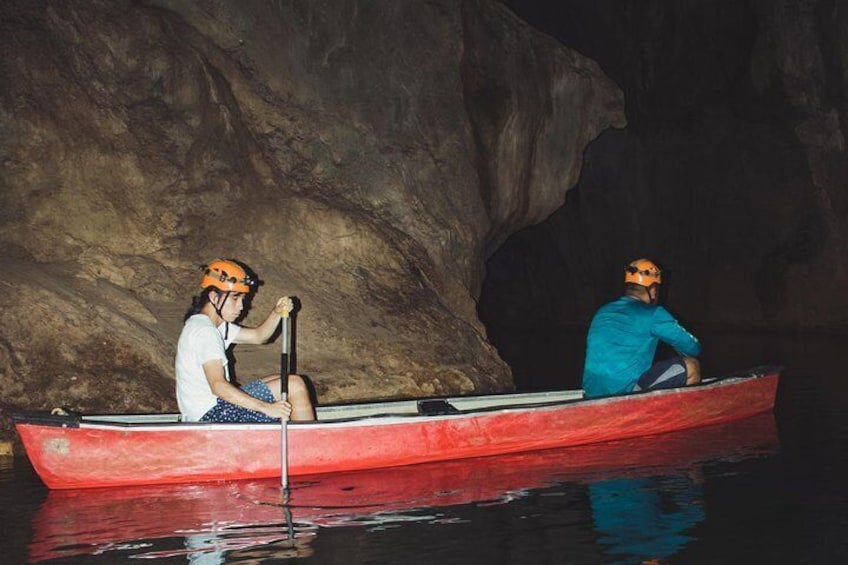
(225, 411)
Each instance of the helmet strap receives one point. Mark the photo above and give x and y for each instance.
(218, 310)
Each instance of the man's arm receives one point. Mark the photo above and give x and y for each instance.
(669, 331)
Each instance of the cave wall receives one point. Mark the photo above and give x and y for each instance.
(732, 171)
(364, 157)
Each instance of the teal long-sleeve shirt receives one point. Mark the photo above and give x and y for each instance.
(622, 342)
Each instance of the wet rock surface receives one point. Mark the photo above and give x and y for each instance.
(364, 157)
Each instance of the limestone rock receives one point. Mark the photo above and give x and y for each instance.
(362, 156)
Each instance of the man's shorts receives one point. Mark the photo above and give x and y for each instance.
(224, 411)
(664, 374)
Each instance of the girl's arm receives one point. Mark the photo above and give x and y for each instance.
(263, 332)
(222, 388)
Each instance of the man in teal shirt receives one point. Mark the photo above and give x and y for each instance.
(623, 338)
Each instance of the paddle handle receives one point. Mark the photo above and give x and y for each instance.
(285, 356)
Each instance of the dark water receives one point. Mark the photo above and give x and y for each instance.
(769, 489)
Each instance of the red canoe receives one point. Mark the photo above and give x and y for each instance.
(93, 451)
(144, 521)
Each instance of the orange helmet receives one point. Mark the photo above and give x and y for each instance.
(643, 272)
(227, 275)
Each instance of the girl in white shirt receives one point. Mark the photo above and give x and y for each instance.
(204, 389)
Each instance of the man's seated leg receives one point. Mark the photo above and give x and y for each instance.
(669, 373)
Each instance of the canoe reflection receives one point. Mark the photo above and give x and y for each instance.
(208, 521)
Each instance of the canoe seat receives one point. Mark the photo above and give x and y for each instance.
(436, 407)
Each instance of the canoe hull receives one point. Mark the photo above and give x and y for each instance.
(93, 454)
(243, 514)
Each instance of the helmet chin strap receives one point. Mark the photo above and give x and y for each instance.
(218, 310)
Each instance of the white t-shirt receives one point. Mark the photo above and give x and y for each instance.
(200, 341)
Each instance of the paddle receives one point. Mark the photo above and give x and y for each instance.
(285, 369)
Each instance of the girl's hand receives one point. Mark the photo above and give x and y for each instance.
(279, 409)
(284, 306)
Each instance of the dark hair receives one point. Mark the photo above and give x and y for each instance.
(198, 302)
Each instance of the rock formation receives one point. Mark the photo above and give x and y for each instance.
(732, 171)
(365, 157)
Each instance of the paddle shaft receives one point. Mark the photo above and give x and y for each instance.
(285, 370)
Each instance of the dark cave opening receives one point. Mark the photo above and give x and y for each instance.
(726, 173)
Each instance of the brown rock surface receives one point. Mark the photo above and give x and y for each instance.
(365, 158)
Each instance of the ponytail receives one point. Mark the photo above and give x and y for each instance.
(198, 302)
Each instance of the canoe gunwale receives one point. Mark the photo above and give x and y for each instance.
(75, 451)
(76, 420)
(45, 418)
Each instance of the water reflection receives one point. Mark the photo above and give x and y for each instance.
(646, 517)
(645, 494)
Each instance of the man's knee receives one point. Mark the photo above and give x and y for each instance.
(693, 370)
